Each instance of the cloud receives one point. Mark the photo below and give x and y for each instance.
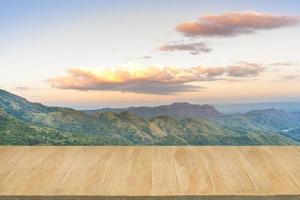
(209, 72)
(151, 80)
(21, 88)
(192, 48)
(244, 69)
(281, 64)
(146, 57)
(235, 23)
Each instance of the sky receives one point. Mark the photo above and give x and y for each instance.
(92, 54)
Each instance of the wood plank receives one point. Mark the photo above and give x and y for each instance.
(149, 171)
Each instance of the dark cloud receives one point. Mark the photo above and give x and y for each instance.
(155, 88)
(192, 48)
(245, 69)
(235, 23)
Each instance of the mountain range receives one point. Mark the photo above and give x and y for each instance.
(176, 110)
(288, 106)
(26, 123)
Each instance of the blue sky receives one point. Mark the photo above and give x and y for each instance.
(42, 40)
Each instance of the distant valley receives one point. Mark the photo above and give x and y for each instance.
(247, 107)
(26, 123)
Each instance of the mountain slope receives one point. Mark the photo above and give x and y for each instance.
(65, 119)
(23, 122)
(176, 110)
(203, 132)
(273, 119)
(109, 125)
(16, 132)
(247, 107)
(293, 134)
(297, 115)
(269, 119)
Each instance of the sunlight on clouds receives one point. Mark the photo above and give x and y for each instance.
(150, 80)
(235, 23)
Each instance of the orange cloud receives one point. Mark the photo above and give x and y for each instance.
(235, 23)
(151, 80)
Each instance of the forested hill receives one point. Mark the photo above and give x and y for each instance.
(26, 123)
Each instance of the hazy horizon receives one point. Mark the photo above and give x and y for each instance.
(95, 54)
(225, 107)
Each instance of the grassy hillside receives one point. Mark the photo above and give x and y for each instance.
(270, 119)
(23, 122)
(16, 132)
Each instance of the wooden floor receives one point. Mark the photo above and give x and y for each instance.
(149, 171)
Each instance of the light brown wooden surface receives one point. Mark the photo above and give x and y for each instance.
(149, 171)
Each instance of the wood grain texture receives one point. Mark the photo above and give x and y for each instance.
(149, 171)
(210, 197)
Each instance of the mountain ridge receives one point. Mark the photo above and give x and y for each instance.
(21, 119)
(178, 110)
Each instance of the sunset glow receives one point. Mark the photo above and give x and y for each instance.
(96, 54)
